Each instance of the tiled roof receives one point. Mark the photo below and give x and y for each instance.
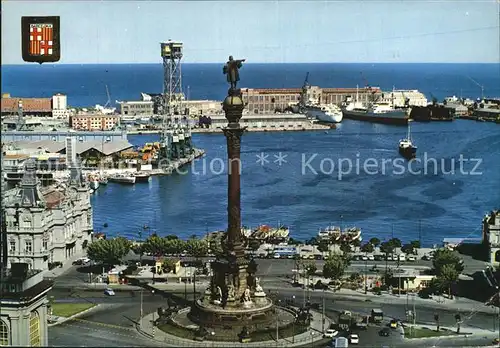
(107, 148)
(29, 104)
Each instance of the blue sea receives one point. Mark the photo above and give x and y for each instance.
(85, 85)
(305, 192)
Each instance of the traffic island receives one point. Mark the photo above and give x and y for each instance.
(69, 309)
(425, 332)
(171, 334)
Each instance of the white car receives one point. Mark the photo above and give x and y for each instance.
(354, 339)
(330, 333)
(109, 292)
(371, 257)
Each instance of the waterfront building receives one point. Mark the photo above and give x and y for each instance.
(402, 97)
(51, 155)
(136, 108)
(39, 107)
(23, 297)
(23, 318)
(268, 121)
(61, 135)
(266, 100)
(60, 107)
(459, 109)
(203, 107)
(93, 122)
(491, 236)
(47, 224)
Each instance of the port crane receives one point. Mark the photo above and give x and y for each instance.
(479, 85)
(369, 88)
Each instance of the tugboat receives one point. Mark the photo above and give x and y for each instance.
(406, 147)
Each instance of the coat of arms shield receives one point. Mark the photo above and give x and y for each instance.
(40, 39)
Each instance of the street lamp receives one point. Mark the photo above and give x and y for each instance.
(312, 337)
(153, 321)
(185, 285)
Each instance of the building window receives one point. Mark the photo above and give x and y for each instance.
(12, 246)
(4, 334)
(35, 340)
(28, 246)
(44, 245)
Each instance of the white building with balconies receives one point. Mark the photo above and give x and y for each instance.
(49, 224)
(491, 236)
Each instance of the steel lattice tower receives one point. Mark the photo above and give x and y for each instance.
(171, 53)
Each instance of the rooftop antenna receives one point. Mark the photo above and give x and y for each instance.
(479, 85)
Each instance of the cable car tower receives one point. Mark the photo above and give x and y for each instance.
(171, 53)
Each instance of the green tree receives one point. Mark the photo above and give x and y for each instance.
(254, 244)
(367, 248)
(444, 257)
(448, 276)
(334, 267)
(346, 249)
(375, 241)
(155, 245)
(395, 242)
(310, 268)
(387, 248)
(171, 237)
(216, 247)
(323, 246)
(175, 246)
(168, 265)
(407, 249)
(196, 247)
(109, 251)
(415, 244)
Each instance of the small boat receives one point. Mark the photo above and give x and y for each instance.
(122, 179)
(93, 182)
(406, 147)
(142, 177)
(103, 181)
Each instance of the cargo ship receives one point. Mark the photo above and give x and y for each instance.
(431, 113)
(377, 113)
(374, 112)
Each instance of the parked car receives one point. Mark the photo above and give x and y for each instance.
(385, 332)
(109, 292)
(354, 339)
(330, 333)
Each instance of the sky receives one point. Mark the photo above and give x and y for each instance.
(391, 31)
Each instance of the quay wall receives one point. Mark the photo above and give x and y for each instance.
(10, 136)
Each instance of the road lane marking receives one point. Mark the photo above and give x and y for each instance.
(104, 324)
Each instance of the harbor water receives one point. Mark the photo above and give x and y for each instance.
(435, 201)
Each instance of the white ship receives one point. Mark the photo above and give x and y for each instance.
(330, 113)
(122, 179)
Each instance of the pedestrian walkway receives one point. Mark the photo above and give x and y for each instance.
(56, 272)
(465, 331)
(315, 334)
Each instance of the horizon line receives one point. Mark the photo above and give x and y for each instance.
(250, 63)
